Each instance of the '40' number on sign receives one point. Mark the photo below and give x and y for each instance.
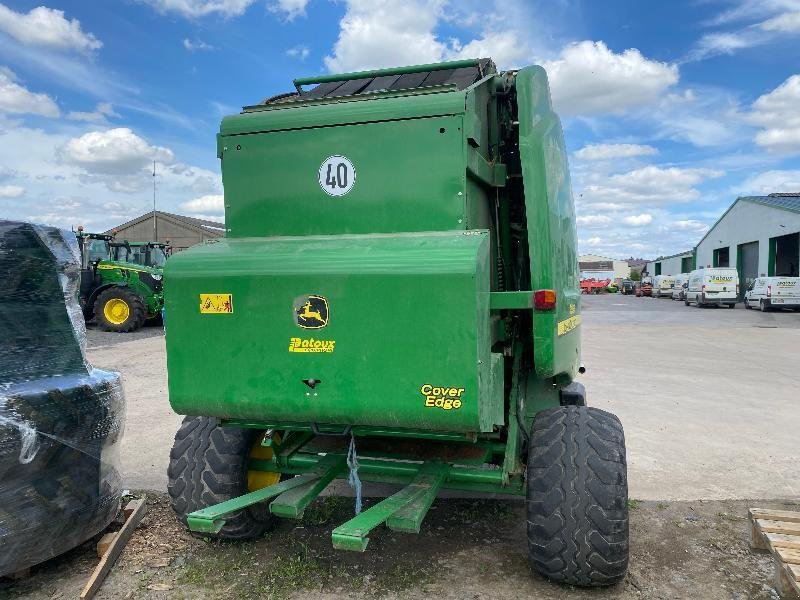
(337, 175)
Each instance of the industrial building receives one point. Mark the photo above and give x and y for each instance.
(593, 266)
(759, 235)
(181, 232)
(670, 265)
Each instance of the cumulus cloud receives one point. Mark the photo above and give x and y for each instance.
(299, 52)
(505, 47)
(777, 113)
(47, 27)
(289, 9)
(211, 204)
(610, 151)
(650, 185)
(11, 191)
(776, 180)
(194, 9)
(194, 45)
(638, 220)
(16, 99)
(593, 220)
(113, 152)
(589, 78)
(99, 115)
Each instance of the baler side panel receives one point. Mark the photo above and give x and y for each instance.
(551, 226)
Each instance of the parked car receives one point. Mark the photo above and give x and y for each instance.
(679, 288)
(662, 286)
(718, 285)
(773, 292)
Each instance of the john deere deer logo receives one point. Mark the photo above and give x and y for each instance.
(311, 312)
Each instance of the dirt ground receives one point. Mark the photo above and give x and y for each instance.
(467, 549)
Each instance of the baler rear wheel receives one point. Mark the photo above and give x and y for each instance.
(208, 465)
(577, 500)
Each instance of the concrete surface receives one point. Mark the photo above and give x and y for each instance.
(708, 397)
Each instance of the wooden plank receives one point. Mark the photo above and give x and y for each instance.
(768, 526)
(137, 508)
(790, 583)
(780, 540)
(104, 543)
(794, 571)
(770, 514)
(758, 540)
(788, 556)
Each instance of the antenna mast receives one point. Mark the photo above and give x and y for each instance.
(155, 225)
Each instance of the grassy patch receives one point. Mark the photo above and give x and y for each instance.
(322, 510)
(633, 503)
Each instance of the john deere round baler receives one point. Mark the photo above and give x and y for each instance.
(396, 300)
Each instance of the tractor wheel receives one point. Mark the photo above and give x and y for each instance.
(119, 309)
(577, 501)
(208, 465)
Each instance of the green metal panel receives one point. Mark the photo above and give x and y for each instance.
(403, 169)
(551, 226)
(406, 313)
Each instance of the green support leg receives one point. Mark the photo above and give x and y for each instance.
(409, 518)
(212, 519)
(353, 534)
(291, 504)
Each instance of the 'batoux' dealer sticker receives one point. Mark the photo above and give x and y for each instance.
(337, 175)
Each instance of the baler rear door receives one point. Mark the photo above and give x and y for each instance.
(384, 330)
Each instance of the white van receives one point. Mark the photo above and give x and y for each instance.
(718, 285)
(678, 290)
(662, 286)
(773, 292)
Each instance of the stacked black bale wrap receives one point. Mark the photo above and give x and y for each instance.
(61, 421)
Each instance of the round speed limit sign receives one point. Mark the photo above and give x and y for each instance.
(337, 175)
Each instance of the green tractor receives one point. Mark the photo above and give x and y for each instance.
(121, 282)
(397, 300)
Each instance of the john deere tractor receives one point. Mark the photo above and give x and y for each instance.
(120, 281)
(396, 300)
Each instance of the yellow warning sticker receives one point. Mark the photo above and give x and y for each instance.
(568, 325)
(216, 303)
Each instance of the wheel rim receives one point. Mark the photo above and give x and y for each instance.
(261, 479)
(116, 311)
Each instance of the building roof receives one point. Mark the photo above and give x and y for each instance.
(681, 254)
(780, 200)
(191, 222)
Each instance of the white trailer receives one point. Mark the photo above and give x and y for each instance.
(719, 285)
(773, 292)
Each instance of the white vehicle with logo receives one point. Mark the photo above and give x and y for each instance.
(679, 289)
(662, 286)
(718, 285)
(773, 292)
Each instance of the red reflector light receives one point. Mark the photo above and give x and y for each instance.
(544, 299)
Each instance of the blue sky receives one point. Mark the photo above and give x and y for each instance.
(670, 109)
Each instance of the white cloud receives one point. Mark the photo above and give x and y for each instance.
(197, 44)
(504, 47)
(212, 204)
(650, 185)
(609, 151)
(300, 52)
(382, 33)
(11, 191)
(589, 78)
(194, 9)
(770, 181)
(47, 27)
(725, 43)
(638, 220)
(690, 225)
(113, 152)
(16, 99)
(289, 9)
(593, 220)
(98, 116)
(788, 22)
(777, 113)
(593, 241)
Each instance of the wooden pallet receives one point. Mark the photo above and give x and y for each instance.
(778, 531)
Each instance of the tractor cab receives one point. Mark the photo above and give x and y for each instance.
(146, 254)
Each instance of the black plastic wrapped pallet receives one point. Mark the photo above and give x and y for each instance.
(61, 421)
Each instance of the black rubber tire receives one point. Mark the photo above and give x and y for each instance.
(747, 305)
(138, 311)
(686, 301)
(208, 465)
(731, 306)
(577, 500)
(762, 306)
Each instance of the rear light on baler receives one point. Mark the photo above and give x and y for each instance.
(544, 299)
